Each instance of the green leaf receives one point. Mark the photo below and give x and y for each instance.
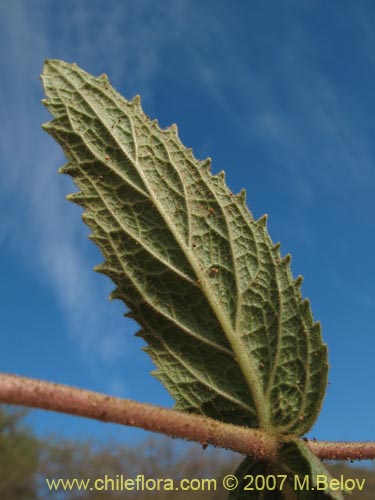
(297, 474)
(225, 322)
(298, 460)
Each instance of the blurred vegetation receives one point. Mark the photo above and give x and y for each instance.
(26, 462)
(19, 453)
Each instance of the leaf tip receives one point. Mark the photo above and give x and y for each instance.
(47, 64)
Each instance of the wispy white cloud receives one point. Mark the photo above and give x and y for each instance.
(40, 226)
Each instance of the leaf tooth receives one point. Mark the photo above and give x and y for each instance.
(56, 128)
(155, 123)
(50, 64)
(189, 152)
(101, 268)
(158, 374)
(206, 164)
(69, 169)
(50, 103)
(97, 239)
(103, 78)
(240, 198)
(48, 126)
(141, 333)
(315, 334)
(275, 249)
(130, 314)
(106, 268)
(89, 219)
(306, 311)
(136, 101)
(286, 260)
(147, 348)
(298, 281)
(173, 130)
(116, 294)
(262, 221)
(220, 177)
(79, 198)
(55, 105)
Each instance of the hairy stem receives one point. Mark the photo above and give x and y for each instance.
(65, 399)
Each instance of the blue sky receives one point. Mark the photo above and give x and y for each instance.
(279, 94)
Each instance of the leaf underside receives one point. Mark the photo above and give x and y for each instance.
(224, 320)
(297, 460)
